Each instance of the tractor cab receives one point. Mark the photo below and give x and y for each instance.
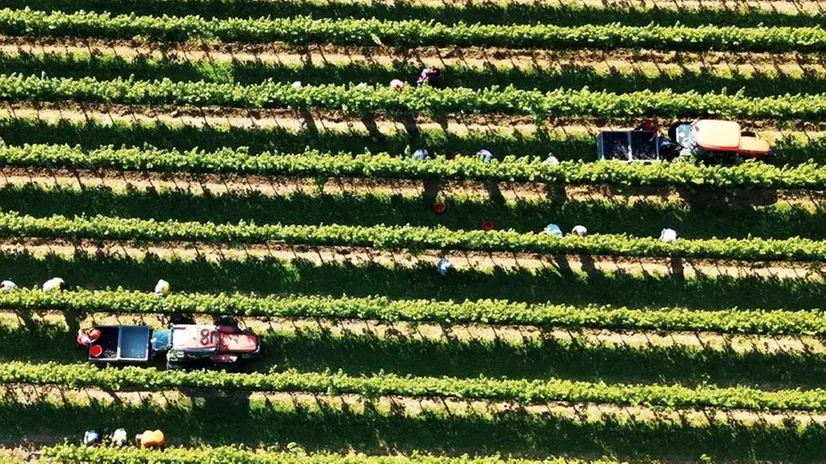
(710, 139)
(218, 344)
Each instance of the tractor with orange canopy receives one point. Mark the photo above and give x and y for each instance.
(708, 140)
(713, 140)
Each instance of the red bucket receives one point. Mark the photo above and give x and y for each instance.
(96, 351)
(487, 225)
(439, 208)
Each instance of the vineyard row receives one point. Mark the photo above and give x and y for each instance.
(317, 164)
(497, 312)
(365, 101)
(522, 391)
(366, 32)
(201, 455)
(488, 12)
(413, 238)
(756, 79)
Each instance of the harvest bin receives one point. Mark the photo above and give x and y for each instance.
(121, 344)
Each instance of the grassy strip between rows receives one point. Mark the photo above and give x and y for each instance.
(521, 391)
(71, 453)
(489, 12)
(304, 30)
(437, 102)
(414, 238)
(497, 312)
(324, 165)
(764, 80)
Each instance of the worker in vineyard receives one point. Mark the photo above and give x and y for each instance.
(420, 154)
(485, 155)
(551, 159)
(647, 125)
(85, 337)
(553, 229)
(7, 285)
(54, 284)
(297, 85)
(396, 84)
(92, 438)
(444, 266)
(668, 235)
(579, 230)
(151, 439)
(119, 438)
(162, 288)
(430, 76)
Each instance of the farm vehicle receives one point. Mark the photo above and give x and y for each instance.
(707, 140)
(185, 344)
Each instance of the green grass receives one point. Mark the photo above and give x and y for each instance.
(219, 420)
(642, 218)
(645, 75)
(270, 275)
(570, 13)
(311, 350)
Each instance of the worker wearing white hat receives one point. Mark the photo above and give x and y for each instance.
(551, 159)
(668, 235)
(55, 284)
(119, 438)
(162, 288)
(579, 230)
(7, 285)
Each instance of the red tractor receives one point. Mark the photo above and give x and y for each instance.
(223, 344)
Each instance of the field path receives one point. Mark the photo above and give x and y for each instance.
(670, 267)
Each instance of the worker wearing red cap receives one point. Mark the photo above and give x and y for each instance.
(86, 337)
(647, 125)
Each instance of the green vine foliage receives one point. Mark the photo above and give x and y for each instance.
(316, 164)
(495, 312)
(522, 391)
